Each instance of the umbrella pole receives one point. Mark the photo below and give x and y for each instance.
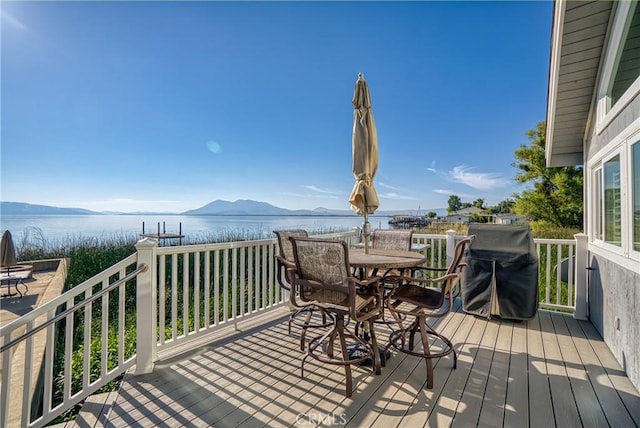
(366, 231)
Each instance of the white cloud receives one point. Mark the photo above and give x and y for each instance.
(396, 197)
(478, 180)
(117, 201)
(444, 191)
(12, 20)
(309, 195)
(124, 205)
(319, 190)
(386, 186)
(448, 192)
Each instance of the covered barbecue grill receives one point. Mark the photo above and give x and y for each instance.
(501, 277)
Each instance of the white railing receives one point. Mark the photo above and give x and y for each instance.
(41, 382)
(561, 269)
(113, 321)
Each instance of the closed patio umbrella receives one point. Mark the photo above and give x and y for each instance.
(7, 251)
(364, 199)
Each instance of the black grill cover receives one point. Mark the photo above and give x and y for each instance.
(506, 253)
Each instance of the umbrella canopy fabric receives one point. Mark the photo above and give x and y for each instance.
(7, 251)
(363, 198)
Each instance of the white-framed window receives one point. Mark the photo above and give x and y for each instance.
(613, 188)
(612, 201)
(620, 81)
(627, 68)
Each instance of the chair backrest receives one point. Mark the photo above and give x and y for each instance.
(453, 275)
(285, 257)
(322, 270)
(389, 239)
(456, 264)
(322, 261)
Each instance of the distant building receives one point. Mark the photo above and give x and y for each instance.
(507, 218)
(463, 215)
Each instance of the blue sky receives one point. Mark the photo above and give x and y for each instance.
(167, 106)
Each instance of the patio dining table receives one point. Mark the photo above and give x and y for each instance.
(383, 260)
(369, 264)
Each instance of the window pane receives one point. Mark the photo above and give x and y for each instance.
(598, 217)
(612, 208)
(629, 64)
(635, 190)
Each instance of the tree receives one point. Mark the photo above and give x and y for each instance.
(454, 204)
(432, 214)
(556, 193)
(479, 203)
(503, 207)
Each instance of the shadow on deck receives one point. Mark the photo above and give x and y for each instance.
(550, 371)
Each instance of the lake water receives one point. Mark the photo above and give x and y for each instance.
(60, 228)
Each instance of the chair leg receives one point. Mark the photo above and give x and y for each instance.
(345, 356)
(290, 322)
(412, 329)
(427, 353)
(314, 343)
(377, 362)
(303, 331)
(397, 318)
(447, 343)
(332, 339)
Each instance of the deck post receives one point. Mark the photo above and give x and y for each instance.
(146, 336)
(582, 292)
(451, 245)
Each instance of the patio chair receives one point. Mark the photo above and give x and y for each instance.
(456, 265)
(286, 266)
(424, 299)
(390, 239)
(322, 266)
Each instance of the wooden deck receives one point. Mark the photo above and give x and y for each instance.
(550, 371)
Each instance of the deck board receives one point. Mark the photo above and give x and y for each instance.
(590, 415)
(549, 371)
(469, 336)
(516, 411)
(493, 407)
(602, 370)
(540, 402)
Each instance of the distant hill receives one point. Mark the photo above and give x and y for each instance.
(240, 207)
(21, 208)
(218, 207)
(249, 207)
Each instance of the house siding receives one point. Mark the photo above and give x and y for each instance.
(626, 117)
(614, 293)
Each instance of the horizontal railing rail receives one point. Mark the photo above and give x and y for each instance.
(74, 308)
(163, 299)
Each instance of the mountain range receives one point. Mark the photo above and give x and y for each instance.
(218, 207)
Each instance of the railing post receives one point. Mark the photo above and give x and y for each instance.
(357, 234)
(451, 245)
(582, 261)
(146, 311)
